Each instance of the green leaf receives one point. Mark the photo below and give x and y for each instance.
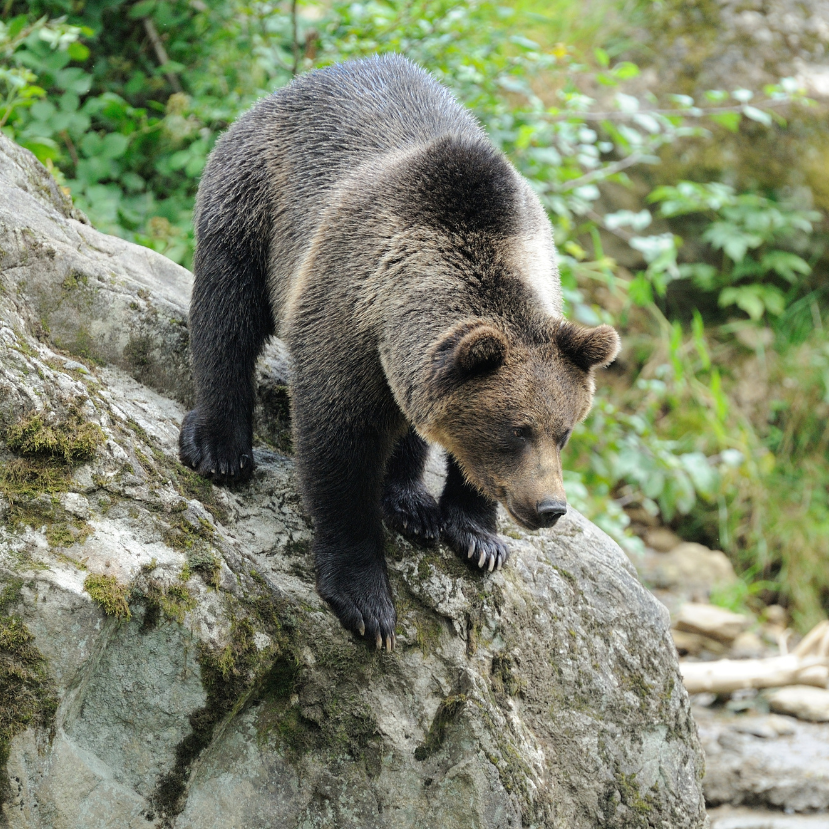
(94, 169)
(178, 160)
(727, 237)
(757, 115)
(91, 144)
(195, 165)
(32, 92)
(42, 111)
(626, 70)
(755, 300)
(44, 149)
(602, 58)
(142, 9)
(525, 43)
(77, 51)
(729, 120)
(114, 145)
(640, 291)
(703, 275)
(69, 101)
(785, 264)
(16, 25)
(703, 476)
(74, 79)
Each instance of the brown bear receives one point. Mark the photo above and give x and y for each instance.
(362, 215)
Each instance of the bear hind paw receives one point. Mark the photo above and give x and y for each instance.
(369, 614)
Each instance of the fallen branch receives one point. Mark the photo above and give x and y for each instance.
(807, 664)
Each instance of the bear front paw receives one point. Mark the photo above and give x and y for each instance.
(361, 599)
(222, 454)
(412, 511)
(473, 542)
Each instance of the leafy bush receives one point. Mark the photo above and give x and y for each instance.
(758, 272)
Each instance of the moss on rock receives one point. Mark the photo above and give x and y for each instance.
(227, 676)
(27, 696)
(448, 711)
(112, 597)
(70, 440)
(170, 602)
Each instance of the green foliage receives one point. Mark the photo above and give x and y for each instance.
(124, 102)
(758, 270)
(743, 595)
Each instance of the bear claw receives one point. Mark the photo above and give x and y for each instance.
(480, 547)
(221, 454)
(412, 511)
(361, 601)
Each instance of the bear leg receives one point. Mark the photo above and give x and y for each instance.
(341, 473)
(408, 507)
(230, 319)
(469, 521)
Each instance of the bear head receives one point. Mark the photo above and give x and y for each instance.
(508, 402)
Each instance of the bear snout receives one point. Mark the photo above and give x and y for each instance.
(543, 514)
(549, 511)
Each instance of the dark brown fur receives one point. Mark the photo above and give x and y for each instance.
(363, 216)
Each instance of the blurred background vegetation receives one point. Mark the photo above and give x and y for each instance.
(690, 217)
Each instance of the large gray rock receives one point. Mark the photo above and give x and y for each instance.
(544, 695)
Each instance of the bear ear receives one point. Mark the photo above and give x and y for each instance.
(588, 347)
(469, 349)
(483, 349)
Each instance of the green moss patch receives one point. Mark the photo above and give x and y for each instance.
(27, 695)
(47, 452)
(624, 792)
(112, 597)
(191, 485)
(161, 601)
(503, 677)
(31, 489)
(25, 479)
(65, 534)
(71, 441)
(195, 540)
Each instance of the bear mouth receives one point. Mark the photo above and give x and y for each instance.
(521, 520)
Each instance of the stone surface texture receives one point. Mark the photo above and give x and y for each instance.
(765, 762)
(544, 695)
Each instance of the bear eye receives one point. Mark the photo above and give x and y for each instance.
(563, 442)
(521, 432)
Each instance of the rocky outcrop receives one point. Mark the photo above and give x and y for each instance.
(165, 660)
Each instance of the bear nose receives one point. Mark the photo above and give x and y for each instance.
(549, 511)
